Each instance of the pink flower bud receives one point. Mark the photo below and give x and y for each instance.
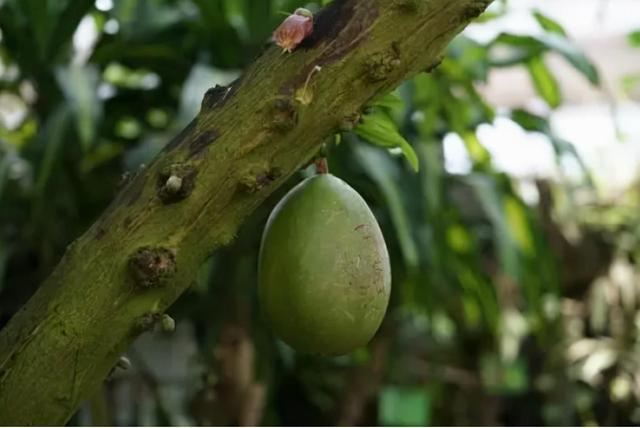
(294, 30)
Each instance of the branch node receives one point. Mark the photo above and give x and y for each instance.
(176, 182)
(258, 178)
(284, 116)
(152, 267)
(381, 64)
(348, 123)
(146, 322)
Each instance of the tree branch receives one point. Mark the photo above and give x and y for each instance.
(116, 280)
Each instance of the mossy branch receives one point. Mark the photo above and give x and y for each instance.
(248, 139)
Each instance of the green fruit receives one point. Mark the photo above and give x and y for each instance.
(324, 274)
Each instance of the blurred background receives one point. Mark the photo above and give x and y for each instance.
(515, 249)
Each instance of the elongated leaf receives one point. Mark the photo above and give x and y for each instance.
(515, 49)
(530, 122)
(377, 128)
(518, 222)
(391, 101)
(573, 54)
(529, 46)
(549, 24)
(39, 19)
(545, 83)
(479, 154)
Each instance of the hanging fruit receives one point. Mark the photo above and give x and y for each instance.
(324, 273)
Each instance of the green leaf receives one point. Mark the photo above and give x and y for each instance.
(519, 49)
(530, 122)
(545, 83)
(529, 46)
(40, 21)
(391, 101)
(378, 129)
(549, 24)
(634, 38)
(402, 406)
(518, 222)
(479, 154)
(573, 54)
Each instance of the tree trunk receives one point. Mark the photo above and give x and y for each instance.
(116, 280)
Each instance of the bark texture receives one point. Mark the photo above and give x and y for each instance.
(116, 280)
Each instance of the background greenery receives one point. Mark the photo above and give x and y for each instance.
(495, 318)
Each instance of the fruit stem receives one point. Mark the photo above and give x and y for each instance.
(322, 166)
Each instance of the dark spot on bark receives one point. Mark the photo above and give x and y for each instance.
(127, 222)
(152, 267)
(256, 181)
(178, 139)
(185, 173)
(201, 142)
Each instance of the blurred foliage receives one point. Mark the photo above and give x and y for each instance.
(500, 313)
